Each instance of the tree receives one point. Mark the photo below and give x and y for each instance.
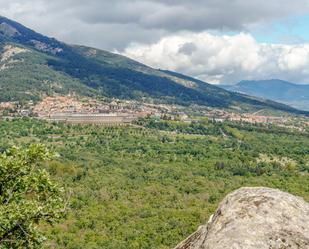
(28, 197)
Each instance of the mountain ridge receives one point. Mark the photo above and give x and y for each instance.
(50, 66)
(296, 95)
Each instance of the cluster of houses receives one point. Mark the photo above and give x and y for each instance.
(221, 116)
(72, 110)
(88, 111)
(14, 109)
(67, 105)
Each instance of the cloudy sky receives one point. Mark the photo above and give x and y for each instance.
(214, 40)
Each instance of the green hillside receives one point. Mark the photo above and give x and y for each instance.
(32, 65)
(29, 76)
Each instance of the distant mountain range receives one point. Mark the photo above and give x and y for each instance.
(295, 95)
(33, 65)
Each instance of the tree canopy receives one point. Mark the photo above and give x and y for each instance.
(27, 197)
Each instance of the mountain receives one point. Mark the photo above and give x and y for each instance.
(278, 90)
(33, 65)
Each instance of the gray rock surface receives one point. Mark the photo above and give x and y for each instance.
(255, 218)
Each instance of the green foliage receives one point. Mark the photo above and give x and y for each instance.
(200, 128)
(135, 187)
(27, 197)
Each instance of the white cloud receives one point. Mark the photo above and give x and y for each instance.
(225, 59)
(173, 33)
(294, 58)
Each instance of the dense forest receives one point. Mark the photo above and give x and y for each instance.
(151, 184)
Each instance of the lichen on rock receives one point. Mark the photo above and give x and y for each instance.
(252, 218)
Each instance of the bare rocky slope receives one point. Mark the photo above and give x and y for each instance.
(252, 218)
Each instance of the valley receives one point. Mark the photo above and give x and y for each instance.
(132, 157)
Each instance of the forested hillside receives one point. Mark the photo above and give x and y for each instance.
(33, 65)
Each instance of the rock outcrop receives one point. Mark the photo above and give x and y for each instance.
(255, 218)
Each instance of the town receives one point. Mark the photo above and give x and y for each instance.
(71, 109)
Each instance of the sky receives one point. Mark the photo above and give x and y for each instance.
(218, 41)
